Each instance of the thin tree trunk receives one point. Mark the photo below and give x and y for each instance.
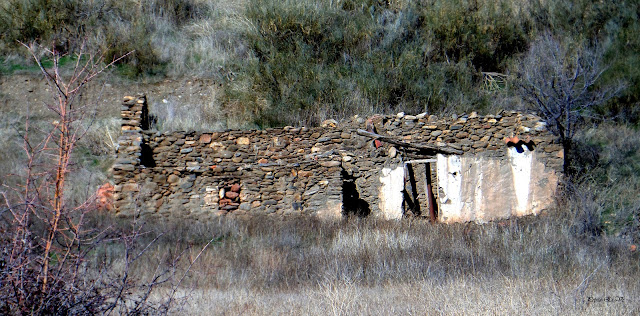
(567, 145)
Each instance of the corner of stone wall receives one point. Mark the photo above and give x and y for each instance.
(126, 169)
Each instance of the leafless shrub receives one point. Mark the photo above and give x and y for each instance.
(48, 238)
(560, 81)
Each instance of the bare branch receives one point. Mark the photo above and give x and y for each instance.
(561, 82)
(45, 261)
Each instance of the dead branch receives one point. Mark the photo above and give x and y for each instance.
(423, 147)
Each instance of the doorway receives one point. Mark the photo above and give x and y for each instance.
(419, 199)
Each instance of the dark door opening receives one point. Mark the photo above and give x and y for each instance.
(351, 202)
(146, 156)
(410, 193)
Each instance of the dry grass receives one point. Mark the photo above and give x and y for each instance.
(264, 266)
(457, 296)
(175, 115)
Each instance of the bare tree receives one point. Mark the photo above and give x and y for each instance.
(45, 242)
(44, 250)
(560, 81)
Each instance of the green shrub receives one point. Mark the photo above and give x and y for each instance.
(609, 157)
(487, 33)
(134, 38)
(130, 26)
(49, 20)
(114, 27)
(398, 57)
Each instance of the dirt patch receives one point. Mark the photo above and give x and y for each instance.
(105, 93)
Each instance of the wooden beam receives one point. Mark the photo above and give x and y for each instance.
(438, 149)
(408, 162)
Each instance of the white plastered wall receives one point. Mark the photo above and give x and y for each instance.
(392, 180)
(472, 188)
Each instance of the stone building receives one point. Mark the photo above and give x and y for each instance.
(467, 168)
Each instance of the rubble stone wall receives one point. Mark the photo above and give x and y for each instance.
(326, 171)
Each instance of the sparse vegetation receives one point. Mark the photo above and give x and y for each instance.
(363, 267)
(315, 59)
(298, 63)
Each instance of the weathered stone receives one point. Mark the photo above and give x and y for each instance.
(479, 144)
(243, 141)
(552, 148)
(124, 167)
(230, 194)
(330, 163)
(130, 187)
(312, 191)
(225, 154)
(205, 139)
(125, 161)
(329, 123)
(173, 178)
(304, 173)
(270, 202)
(540, 126)
(217, 145)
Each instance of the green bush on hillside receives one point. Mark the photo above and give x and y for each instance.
(411, 57)
(43, 20)
(313, 59)
(110, 26)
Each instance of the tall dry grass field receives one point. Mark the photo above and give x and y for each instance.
(365, 267)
